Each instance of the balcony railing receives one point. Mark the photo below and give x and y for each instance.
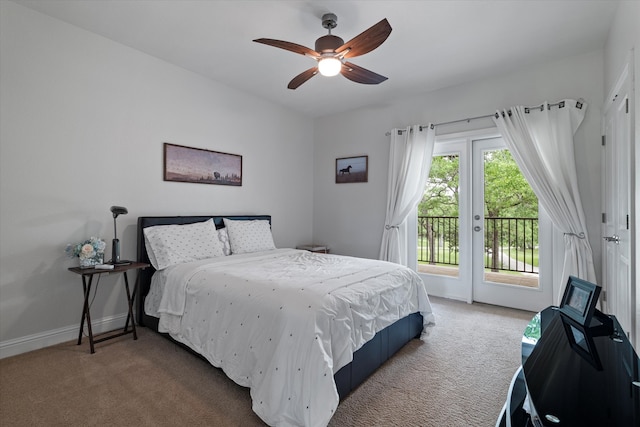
(510, 244)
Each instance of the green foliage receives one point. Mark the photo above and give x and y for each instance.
(507, 194)
(528, 256)
(441, 195)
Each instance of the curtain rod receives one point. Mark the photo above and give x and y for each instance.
(540, 107)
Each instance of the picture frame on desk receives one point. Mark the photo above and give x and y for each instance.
(579, 300)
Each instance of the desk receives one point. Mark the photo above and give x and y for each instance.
(87, 280)
(593, 382)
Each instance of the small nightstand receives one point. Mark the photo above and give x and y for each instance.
(88, 273)
(314, 248)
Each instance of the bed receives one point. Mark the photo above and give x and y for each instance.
(306, 328)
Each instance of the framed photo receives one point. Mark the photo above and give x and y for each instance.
(352, 169)
(579, 300)
(187, 164)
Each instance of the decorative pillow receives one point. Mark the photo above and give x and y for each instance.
(175, 244)
(223, 237)
(249, 236)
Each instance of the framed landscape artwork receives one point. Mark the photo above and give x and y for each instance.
(352, 169)
(187, 164)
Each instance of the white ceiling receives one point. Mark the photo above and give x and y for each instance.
(434, 44)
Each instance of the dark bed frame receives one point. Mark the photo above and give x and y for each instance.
(365, 361)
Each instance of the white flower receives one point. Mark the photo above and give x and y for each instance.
(90, 248)
(87, 251)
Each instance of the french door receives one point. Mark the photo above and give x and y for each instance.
(491, 246)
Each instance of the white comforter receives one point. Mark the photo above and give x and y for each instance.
(282, 322)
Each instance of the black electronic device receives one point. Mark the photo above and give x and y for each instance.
(115, 244)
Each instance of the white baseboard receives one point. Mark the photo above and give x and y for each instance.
(56, 336)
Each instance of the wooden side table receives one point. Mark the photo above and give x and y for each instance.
(314, 248)
(87, 279)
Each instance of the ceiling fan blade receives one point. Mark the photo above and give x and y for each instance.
(366, 41)
(302, 77)
(361, 75)
(292, 47)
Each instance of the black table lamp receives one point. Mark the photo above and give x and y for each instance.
(115, 247)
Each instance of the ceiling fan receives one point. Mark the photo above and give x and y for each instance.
(331, 53)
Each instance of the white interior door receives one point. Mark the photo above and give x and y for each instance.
(616, 224)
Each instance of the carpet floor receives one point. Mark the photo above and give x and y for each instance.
(459, 376)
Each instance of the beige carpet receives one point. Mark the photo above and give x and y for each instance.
(459, 377)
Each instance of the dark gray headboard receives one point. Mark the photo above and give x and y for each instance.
(144, 276)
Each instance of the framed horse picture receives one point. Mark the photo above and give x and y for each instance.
(352, 169)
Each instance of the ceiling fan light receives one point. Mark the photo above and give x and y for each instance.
(329, 66)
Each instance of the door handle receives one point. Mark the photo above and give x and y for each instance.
(477, 228)
(615, 239)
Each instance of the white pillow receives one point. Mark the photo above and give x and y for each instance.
(249, 236)
(175, 244)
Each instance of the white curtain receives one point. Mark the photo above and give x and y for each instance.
(409, 163)
(541, 142)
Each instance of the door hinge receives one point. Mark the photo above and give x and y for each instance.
(604, 140)
(627, 221)
(604, 218)
(603, 295)
(627, 106)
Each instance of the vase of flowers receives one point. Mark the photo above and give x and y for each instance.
(90, 252)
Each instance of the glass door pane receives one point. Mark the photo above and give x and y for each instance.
(506, 232)
(438, 218)
(510, 222)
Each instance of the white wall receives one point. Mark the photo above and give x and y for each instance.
(624, 36)
(350, 217)
(82, 123)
